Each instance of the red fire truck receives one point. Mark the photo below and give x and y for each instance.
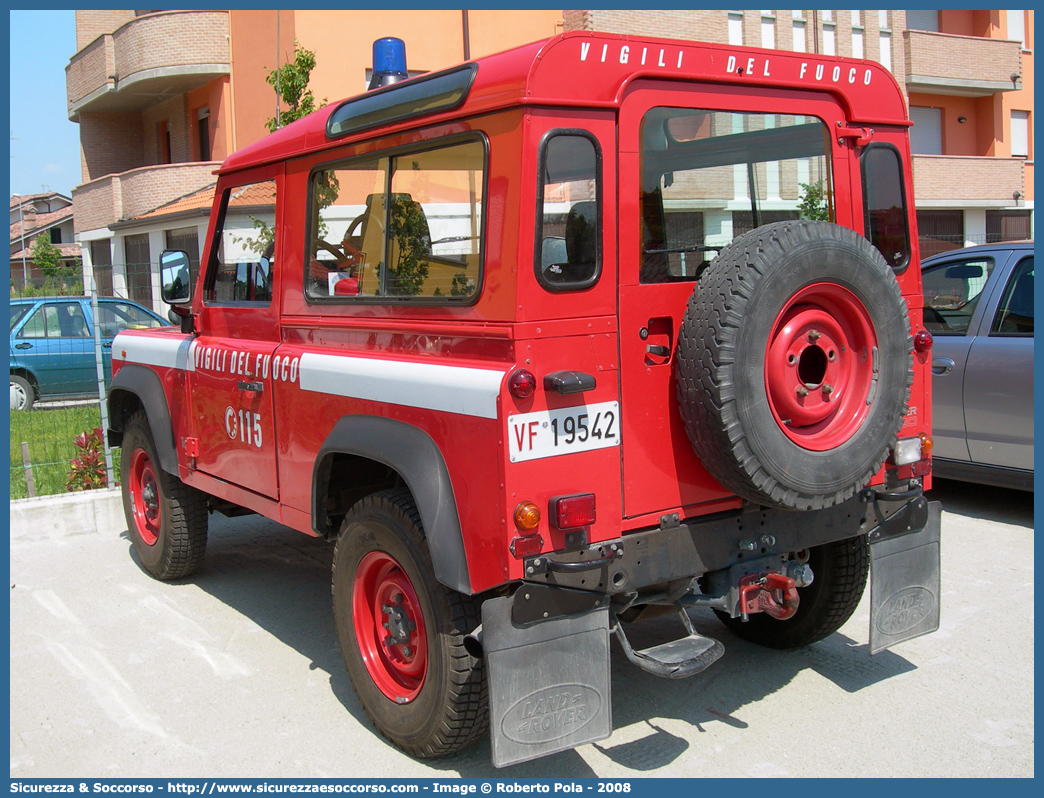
(545, 343)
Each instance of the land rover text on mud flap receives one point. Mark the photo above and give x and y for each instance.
(548, 342)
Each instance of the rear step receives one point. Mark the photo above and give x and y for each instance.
(675, 659)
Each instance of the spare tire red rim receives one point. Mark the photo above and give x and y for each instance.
(821, 366)
(389, 627)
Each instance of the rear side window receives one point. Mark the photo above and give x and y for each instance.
(406, 227)
(240, 269)
(951, 293)
(569, 215)
(884, 201)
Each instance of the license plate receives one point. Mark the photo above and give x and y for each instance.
(550, 433)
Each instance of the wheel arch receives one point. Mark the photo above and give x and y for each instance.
(412, 455)
(26, 374)
(136, 387)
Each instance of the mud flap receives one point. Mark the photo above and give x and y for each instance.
(904, 582)
(549, 687)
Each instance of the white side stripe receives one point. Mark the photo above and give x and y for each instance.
(452, 389)
(163, 352)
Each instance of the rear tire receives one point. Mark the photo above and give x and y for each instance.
(167, 519)
(840, 571)
(402, 632)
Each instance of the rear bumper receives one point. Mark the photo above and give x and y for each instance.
(679, 549)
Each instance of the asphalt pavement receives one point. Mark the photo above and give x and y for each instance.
(236, 672)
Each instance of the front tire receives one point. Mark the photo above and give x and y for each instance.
(22, 394)
(167, 519)
(402, 632)
(839, 571)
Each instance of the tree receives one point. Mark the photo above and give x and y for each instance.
(409, 231)
(291, 84)
(47, 256)
(813, 203)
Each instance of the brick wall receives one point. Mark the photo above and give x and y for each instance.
(110, 143)
(708, 26)
(154, 41)
(960, 57)
(118, 197)
(92, 24)
(172, 38)
(949, 177)
(175, 112)
(89, 69)
(96, 204)
(146, 189)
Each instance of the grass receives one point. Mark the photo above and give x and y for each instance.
(49, 432)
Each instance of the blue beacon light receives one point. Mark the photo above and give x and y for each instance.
(389, 62)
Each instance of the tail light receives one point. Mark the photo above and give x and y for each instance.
(572, 512)
(923, 341)
(522, 383)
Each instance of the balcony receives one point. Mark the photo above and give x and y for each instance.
(964, 66)
(150, 59)
(956, 181)
(118, 197)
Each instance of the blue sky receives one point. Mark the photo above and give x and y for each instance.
(45, 149)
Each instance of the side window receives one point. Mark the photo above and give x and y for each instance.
(884, 201)
(240, 268)
(951, 293)
(709, 176)
(56, 320)
(1015, 313)
(402, 228)
(118, 316)
(569, 229)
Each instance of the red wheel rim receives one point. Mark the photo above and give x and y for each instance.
(145, 495)
(389, 627)
(821, 366)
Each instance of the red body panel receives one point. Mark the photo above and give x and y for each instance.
(259, 443)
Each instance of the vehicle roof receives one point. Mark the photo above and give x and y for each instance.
(23, 299)
(1027, 244)
(599, 68)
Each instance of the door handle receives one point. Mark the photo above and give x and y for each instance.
(942, 365)
(24, 346)
(256, 387)
(658, 350)
(107, 345)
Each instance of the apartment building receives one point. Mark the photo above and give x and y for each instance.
(163, 96)
(968, 79)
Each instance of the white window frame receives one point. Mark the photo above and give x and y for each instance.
(1020, 144)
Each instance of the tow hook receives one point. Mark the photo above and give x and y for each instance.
(770, 593)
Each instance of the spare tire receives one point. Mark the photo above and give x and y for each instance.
(794, 364)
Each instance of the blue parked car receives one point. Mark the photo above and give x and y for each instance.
(52, 344)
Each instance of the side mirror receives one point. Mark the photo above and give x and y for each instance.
(174, 274)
